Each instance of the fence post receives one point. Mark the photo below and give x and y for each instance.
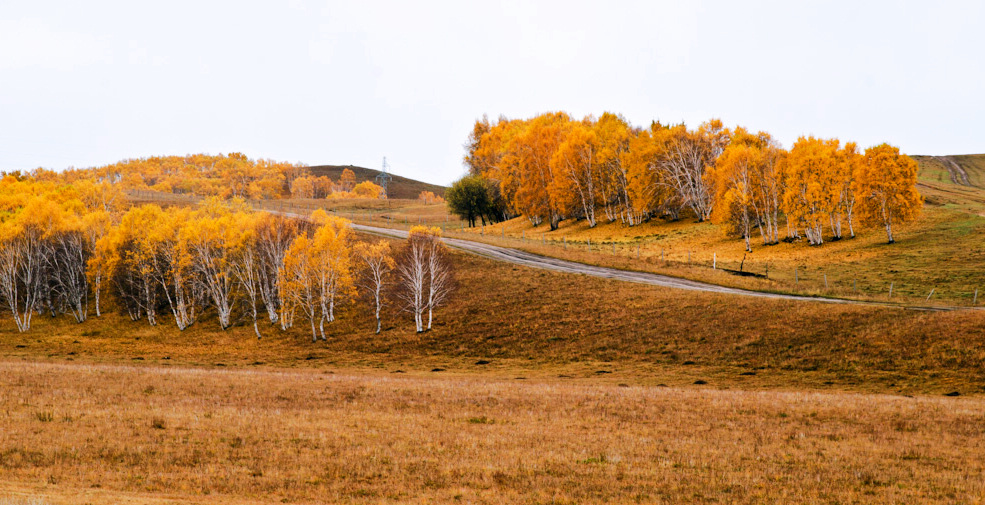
(975, 300)
(931, 294)
(565, 240)
(714, 261)
(661, 254)
(589, 244)
(796, 276)
(613, 248)
(825, 281)
(637, 251)
(890, 290)
(688, 256)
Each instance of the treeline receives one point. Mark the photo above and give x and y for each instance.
(224, 176)
(552, 167)
(63, 251)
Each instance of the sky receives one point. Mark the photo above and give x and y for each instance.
(90, 83)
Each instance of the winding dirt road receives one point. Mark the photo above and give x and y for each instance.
(518, 257)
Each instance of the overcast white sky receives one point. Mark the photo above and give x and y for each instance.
(90, 83)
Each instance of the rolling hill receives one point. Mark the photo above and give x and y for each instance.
(400, 187)
(956, 182)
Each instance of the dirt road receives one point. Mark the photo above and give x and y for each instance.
(524, 258)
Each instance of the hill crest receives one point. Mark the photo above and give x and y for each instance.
(400, 187)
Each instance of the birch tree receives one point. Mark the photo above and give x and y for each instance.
(301, 282)
(887, 188)
(211, 239)
(331, 263)
(377, 264)
(247, 266)
(274, 236)
(812, 187)
(425, 274)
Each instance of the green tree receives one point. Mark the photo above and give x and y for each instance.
(469, 198)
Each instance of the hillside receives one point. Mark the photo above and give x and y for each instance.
(400, 187)
(964, 170)
(955, 182)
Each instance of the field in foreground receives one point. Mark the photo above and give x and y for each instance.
(119, 434)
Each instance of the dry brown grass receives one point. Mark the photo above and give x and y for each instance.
(538, 323)
(207, 436)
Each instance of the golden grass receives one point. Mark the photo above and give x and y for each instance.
(207, 436)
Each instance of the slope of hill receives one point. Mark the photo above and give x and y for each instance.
(964, 170)
(400, 187)
(956, 182)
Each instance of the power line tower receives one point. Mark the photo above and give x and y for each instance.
(383, 179)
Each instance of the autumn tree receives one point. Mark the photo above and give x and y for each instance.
(331, 259)
(533, 150)
(577, 175)
(377, 265)
(367, 189)
(136, 268)
(849, 166)
(247, 265)
(612, 137)
(732, 179)
(686, 157)
(812, 184)
(301, 282)
(425, 274)
(747, 182)
(211, 239)
(429, 198)
(95, 226)
(172, 265)
(489, 155)
(274, 236)
(303, 187)
(347, 181)
(886, 186)
(23, 257)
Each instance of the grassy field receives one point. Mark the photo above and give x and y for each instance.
(533, 387)
(151, 434)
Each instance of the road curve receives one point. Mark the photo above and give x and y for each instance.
(518, 257)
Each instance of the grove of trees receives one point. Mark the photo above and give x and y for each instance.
(76, 248)
(224, 176)
(552, 167)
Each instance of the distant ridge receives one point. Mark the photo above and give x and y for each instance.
(400, 187)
